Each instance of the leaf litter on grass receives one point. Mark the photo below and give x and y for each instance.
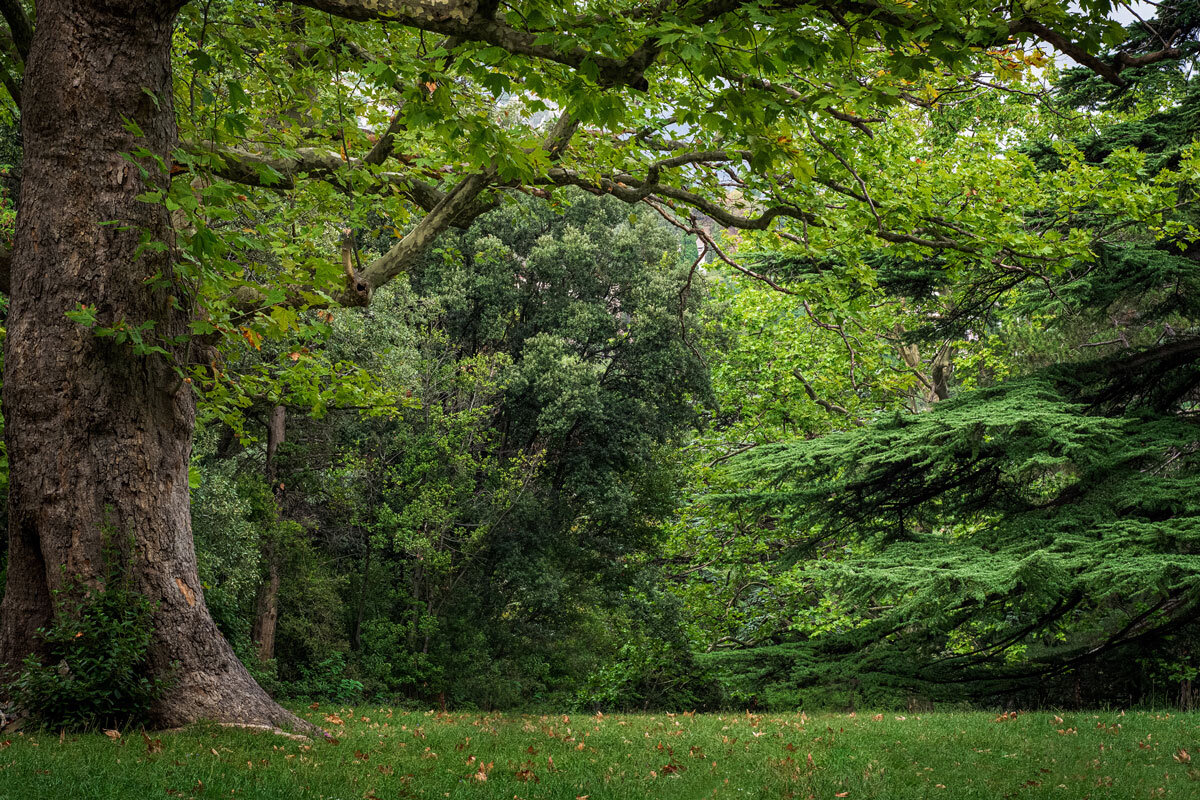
(389, 753)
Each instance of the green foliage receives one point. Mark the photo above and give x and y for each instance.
(652, 667)
(91, 670)
(468, 539)
(228, 532)
(327, 679)
(1016, 522)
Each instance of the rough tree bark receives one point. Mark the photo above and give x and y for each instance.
(99, 437)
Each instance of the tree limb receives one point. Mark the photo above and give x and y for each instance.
(1110, 71)
(462, 19)
(250, 168)
(19, 24)
(812, 395)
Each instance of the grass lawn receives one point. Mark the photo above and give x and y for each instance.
(391, 755)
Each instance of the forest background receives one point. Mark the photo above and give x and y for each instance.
(587, 454)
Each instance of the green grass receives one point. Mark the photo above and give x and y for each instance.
(392, 755)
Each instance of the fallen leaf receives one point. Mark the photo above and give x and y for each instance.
(152, 745)
(114, 735)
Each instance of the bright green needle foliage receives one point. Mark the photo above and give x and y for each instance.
(385, 753)
(1014, 531)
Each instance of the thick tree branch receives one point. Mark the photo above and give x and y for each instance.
(1110, 71)
(414, 243)
(11, 82)
(19, 24)
(629, 189)
(463, 19)
(460, 206)
(279, 174)
(812, 395)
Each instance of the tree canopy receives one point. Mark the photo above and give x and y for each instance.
(676, 353)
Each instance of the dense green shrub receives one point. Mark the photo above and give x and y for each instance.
(92, 669)
(327, 679)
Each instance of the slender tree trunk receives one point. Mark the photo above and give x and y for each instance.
(97, 435)
(360, 612)
(266, 604)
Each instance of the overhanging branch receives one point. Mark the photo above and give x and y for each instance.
(464, 19)
(19, 24)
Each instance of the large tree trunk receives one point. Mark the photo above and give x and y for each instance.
(98, 436)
